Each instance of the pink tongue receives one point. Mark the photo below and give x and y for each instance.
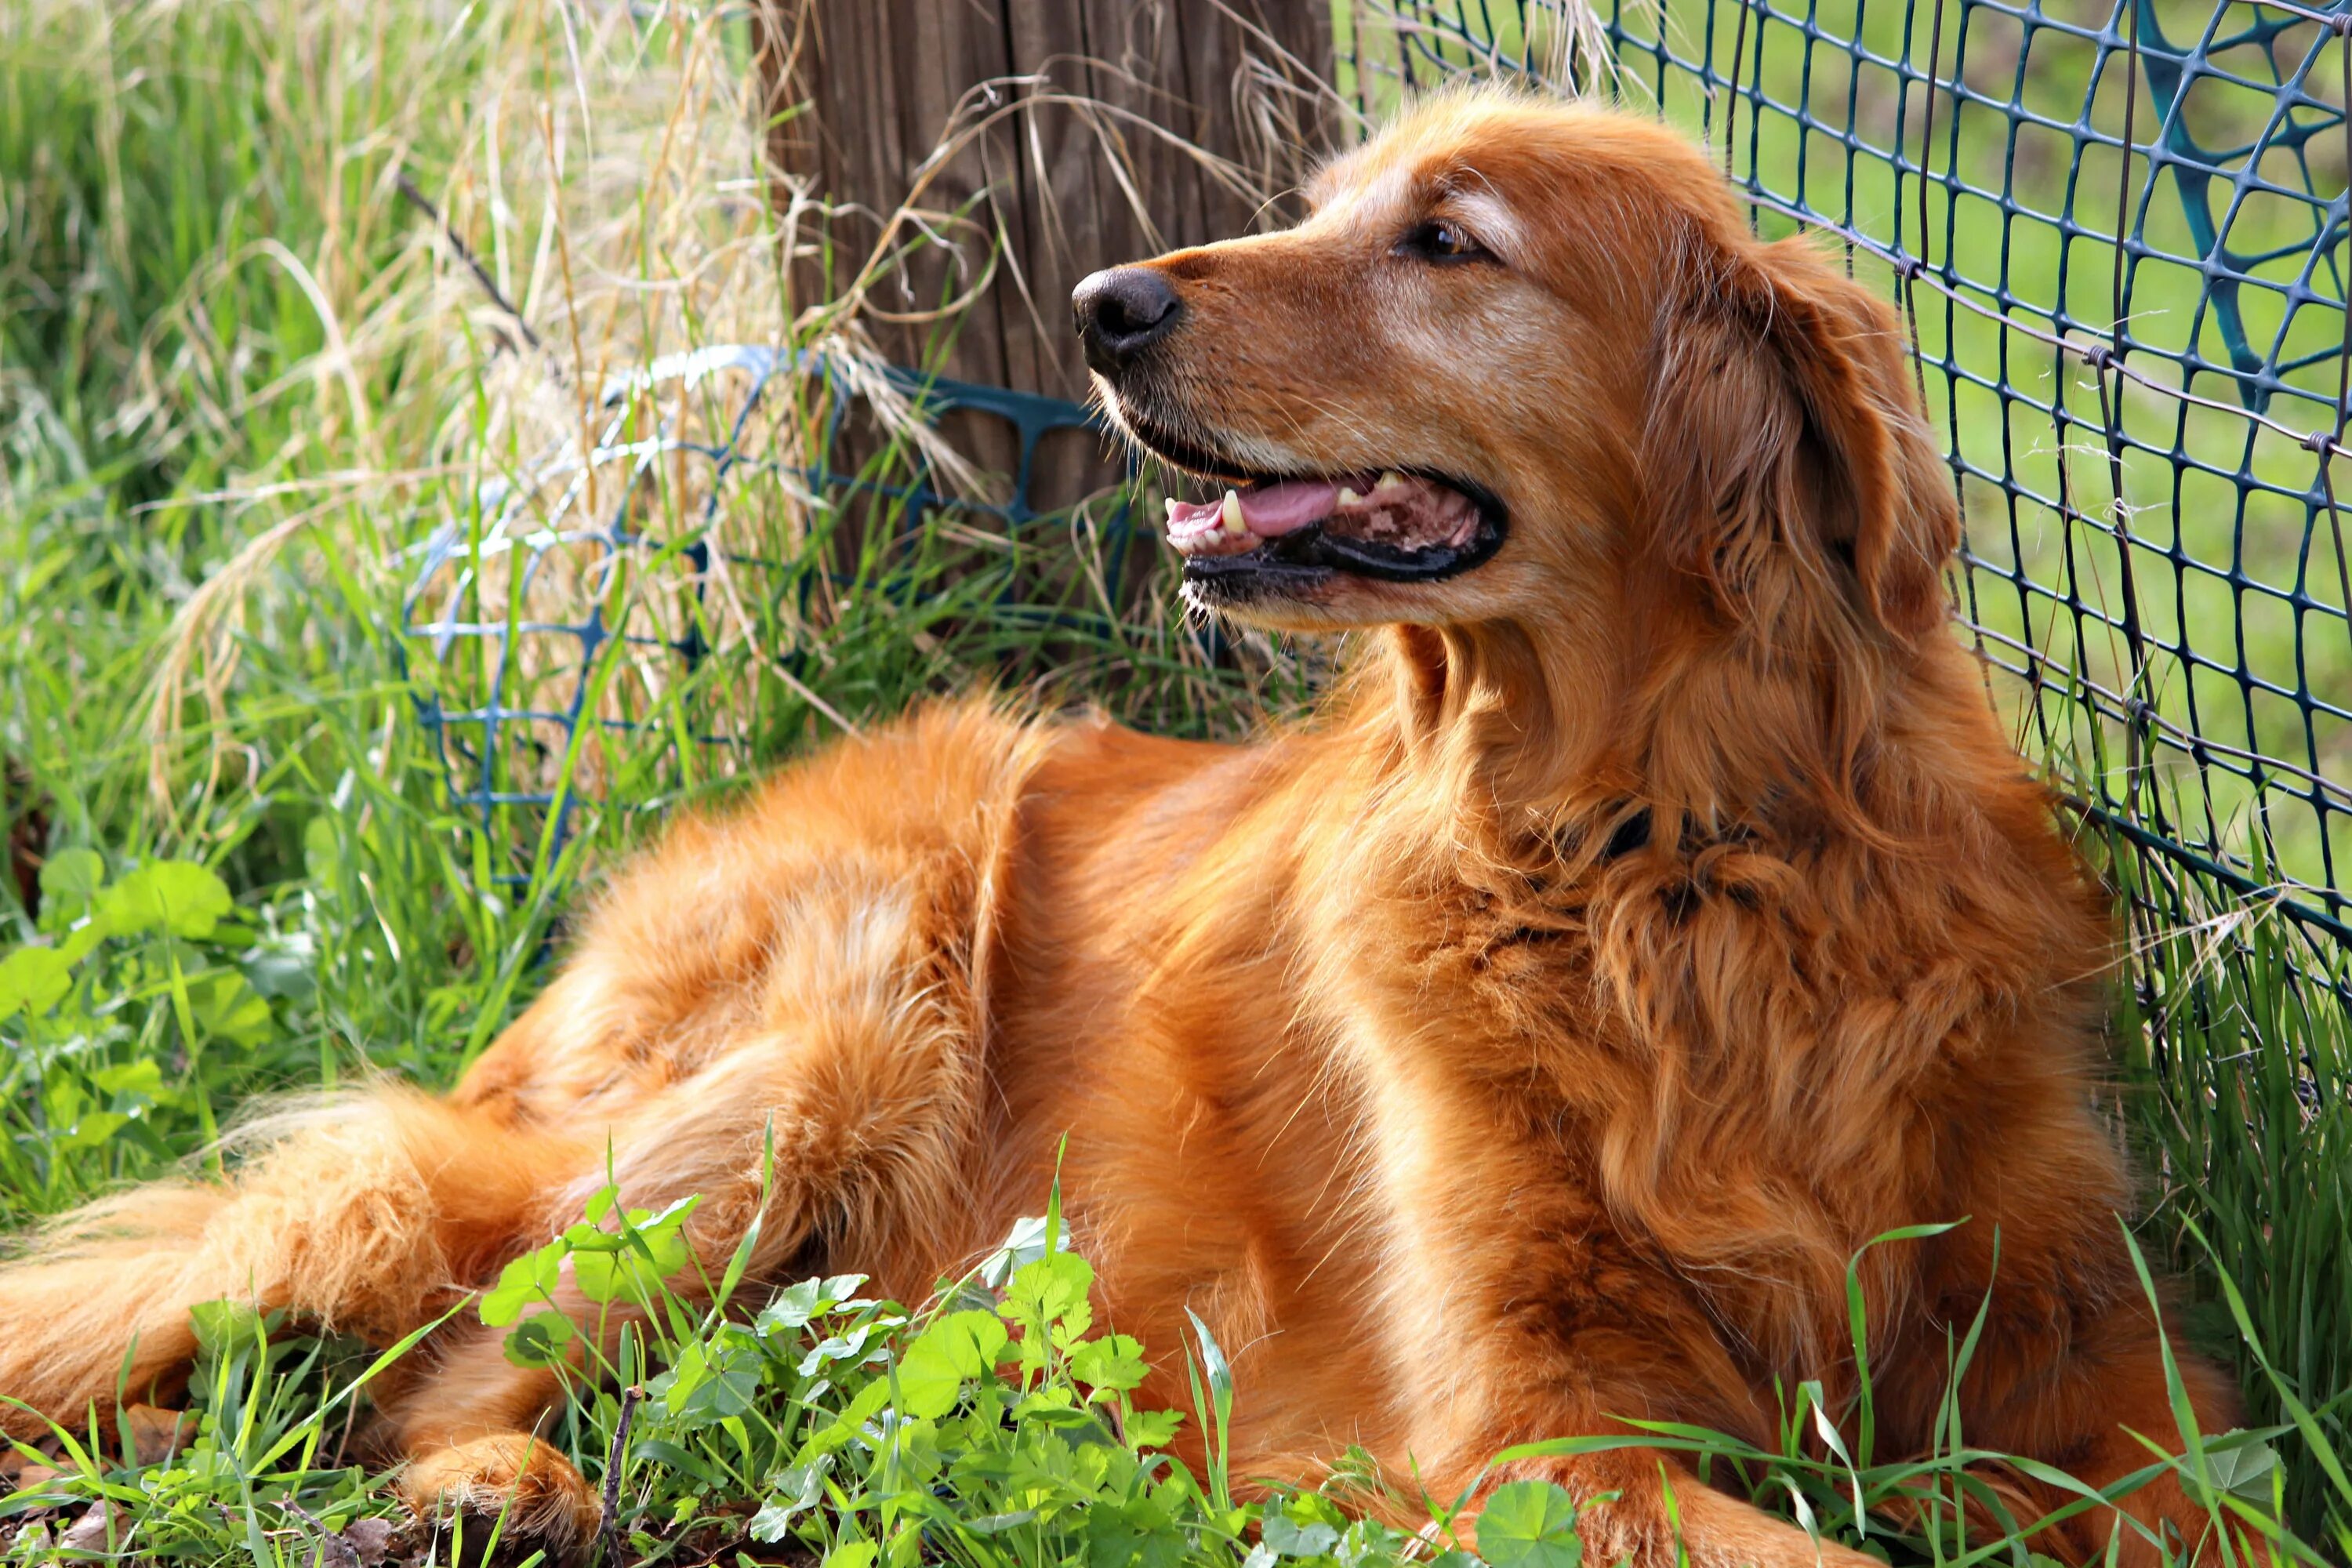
(1193, 516)
(1271, 510)
(1277, 510)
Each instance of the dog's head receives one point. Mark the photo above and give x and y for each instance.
(1524, 365)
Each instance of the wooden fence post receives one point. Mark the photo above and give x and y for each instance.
(1093, 132)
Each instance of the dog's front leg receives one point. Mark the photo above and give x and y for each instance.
(1635, 1506)
(2086, 1390)
(2068, 1366)
(1566, 1334)
(1648, 1509)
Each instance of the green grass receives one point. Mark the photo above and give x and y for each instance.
(2240, 1061)
(242, 377)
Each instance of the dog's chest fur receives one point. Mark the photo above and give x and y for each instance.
(1549, 1103)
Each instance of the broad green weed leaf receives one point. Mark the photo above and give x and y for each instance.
(226, 1328)
(1153, 1429)
(1288, 1538)
(539, 1340)
(664, 1233)
(851, 1554)
(606, 1276)
(70, 879)
(528, 1278)
(2244, 1467)
(795, 1492)
(798, 1306)
(633, 1261)
(714, 1379)
(129, 1088)
(177, 896)
(792, 1308)
(82, 941)
(33, 979)
(845, 1426)
(997, 1523)
(1021, 1246)
(949, 1353)
(91, 1130)
(284, 970)
(1054, 1288)
(140, 1079)
(772, 1523)
(227, 1007)
(74, 1121)
(689, 1371)
(852, 1347)
(928, 1387)
(1529, 1524)
(1112, 1363)
(1053, 1406)
(1132, 1535)
(914, 1448)
(974, 1340)
(62, 1098)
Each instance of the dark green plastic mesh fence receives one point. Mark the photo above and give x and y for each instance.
(521, 608)
(2148, 436)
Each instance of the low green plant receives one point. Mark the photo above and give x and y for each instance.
(254, 1472)
(155, 967)
(991, 1425)
(995, 1424)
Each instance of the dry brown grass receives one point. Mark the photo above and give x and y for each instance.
(600, 201)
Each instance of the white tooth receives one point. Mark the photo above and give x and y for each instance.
(1349, 497)
(1171, 507)
(1389, 479)
(1232, 513)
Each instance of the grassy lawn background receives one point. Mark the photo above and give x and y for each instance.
(243, 377)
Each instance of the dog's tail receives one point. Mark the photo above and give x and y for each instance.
(361, 1212)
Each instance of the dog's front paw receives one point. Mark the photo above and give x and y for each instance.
(509, 1482)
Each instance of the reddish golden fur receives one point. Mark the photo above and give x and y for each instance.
(1460, 1126)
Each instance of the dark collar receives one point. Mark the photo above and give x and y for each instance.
(1632, 833)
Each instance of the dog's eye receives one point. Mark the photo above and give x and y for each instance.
(1440, 240)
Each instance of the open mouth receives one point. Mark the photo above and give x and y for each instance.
(1393, 526)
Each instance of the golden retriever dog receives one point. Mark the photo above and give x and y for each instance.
(1655, 915)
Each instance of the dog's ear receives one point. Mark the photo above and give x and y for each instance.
(1785, 442)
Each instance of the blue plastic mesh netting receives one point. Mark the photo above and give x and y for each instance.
(520, 610)
(2188, 649)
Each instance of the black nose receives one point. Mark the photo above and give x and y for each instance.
(1122, 311)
